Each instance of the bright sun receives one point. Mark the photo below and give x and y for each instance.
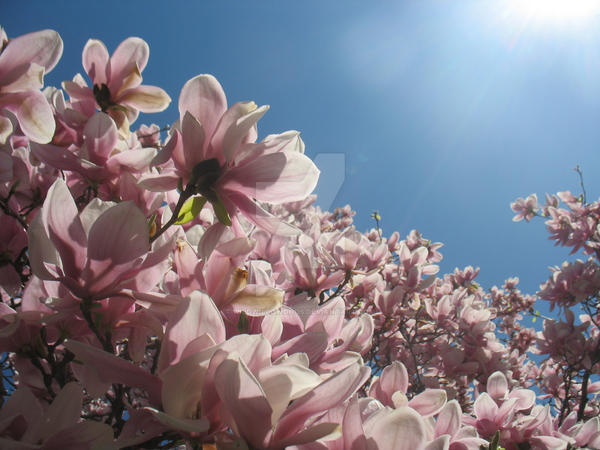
(556, 10)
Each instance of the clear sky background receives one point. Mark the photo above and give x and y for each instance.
(440, 112)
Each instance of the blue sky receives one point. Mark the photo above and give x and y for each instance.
(437, 114)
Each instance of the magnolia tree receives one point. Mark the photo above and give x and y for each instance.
(167, 289)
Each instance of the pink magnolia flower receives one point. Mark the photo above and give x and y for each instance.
(525, 208)
(117, 82)
(23, 63)
(102, 158)
(97, 253)
(391, 386)
(25, 424)
(214, 154)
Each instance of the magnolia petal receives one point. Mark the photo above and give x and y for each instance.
(111, 369)
(354, 435)
(63, 226)
(497, 386)
(43, 47)
(525, 398)
(449, 419)
(321, 432)
(245, 400)
(159, 183)
(194, 316)
(32, 78)
(147, 99)
(244, 118)
(120, 235)
(135, 160)
(100, 136)
(485, 407)
(429, 402)
(95, 61)
(204, 98)
(283, 383)
(259, 216)
(87, 434)
(441, 443)
(276, 177)
(335, 390)
(64, 411)
(6, 129)
(189, 425)
(130, 56)
(34, 114)
(400, 429)
(331, 315)
(193, 142)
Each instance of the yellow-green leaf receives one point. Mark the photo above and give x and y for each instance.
(190, 209)
(221, 212)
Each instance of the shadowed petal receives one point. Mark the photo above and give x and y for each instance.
(204, 98)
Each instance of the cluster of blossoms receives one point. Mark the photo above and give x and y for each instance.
(181, 289)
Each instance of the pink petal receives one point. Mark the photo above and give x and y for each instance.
(277, 177)
(400, 429)
(429, 402)
(354, 435)
(331, 315)
(259, 216)
(95, 61)
(147, 99)
(204, 98)
(497, 386)
(193, 141)
(485, 407)
(131, 56)
(159, 183)
(120, 235)
(134, 160)
(331, 392)
(100, 136)
(245, 401)
(41, 47)
(394, 378)
(63, 226)
(6, 129)
(194, 316)
(111, 369)
(441, 443)
(313, 342)
(234, 127)
(41, 249)
(87, 434)
(64, 411)
(190, 425)
(256, 300)
(525, 398)
(449, 419)
(33, 113)
(324, 431)
(31, 78)
(62, 159)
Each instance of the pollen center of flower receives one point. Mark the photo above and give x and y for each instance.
(102, 96)
(204, 176)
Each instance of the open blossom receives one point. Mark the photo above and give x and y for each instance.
(24, 61)
(525, 208)
(214, 154)
(571, 283)
(116, 82)
(96, 253)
